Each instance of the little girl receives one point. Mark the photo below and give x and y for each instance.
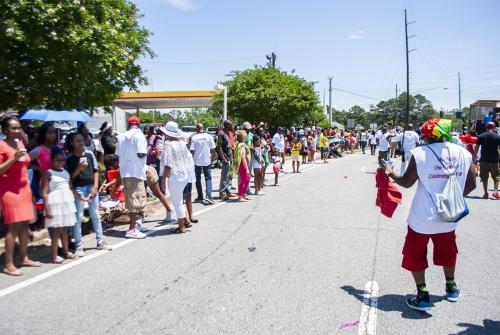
(257, 163)
(60, 210)
(276, 166)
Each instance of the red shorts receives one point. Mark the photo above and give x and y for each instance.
(415, 250)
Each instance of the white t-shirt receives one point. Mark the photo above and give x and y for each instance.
(410, 140)
(131, 143)
(372, 139)
(202, 144)
(432, 178)
(279, 142)
(383, 142)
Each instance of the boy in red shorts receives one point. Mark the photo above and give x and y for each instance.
(431, 165)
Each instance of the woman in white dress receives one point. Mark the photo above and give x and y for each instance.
(60, 209)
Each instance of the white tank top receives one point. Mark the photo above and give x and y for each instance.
(432, 178)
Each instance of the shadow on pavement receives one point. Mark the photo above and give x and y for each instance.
(489, 327)
(394, 303)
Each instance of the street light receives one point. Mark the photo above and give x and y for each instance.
(431, 89)
(222, 87)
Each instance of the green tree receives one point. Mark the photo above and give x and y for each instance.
(269, 95)
(69, 54)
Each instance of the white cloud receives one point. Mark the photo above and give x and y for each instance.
(357, 35)
(184, 5)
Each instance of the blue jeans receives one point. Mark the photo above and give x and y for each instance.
(207, 172)
(94, 215)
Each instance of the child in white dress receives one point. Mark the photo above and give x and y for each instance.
(60, 209)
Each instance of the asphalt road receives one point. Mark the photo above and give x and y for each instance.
(294, 261)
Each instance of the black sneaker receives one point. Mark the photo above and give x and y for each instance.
(452, 292)
(422, 302)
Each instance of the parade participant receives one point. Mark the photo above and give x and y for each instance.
(84, 172)
(241, 165)
(60, 210)
(372, 139)
(178, 171)
(393, 144)
(489, 143)
(46, 140)
(89, 142)
(383, 139)
(108, 140)
(408, 140)
(226, 157)
(430, 165)
(132, 149)
(257, 164)
(203, 149)
(295, 151)
(363, 137)
(15, 195)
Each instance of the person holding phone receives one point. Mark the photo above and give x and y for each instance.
(15, 195)
(84, 172)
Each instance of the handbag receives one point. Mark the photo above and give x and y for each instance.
(450, 204)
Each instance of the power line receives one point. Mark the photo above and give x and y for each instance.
(202, 62)
(357, 94)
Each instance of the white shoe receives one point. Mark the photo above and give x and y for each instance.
(135, 234)
(79, 252)
(140, 228)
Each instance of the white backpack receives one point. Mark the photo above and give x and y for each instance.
(450, 204)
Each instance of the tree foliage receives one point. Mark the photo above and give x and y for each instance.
(270, 95)
(69, 53)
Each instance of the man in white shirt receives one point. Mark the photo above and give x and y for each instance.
(431, 165)
(132, 149)
(408, 140)
(203, 149)
(279, 143)
(383, 138)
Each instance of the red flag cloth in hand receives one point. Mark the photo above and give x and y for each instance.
(388, 195)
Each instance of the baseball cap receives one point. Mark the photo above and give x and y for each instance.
(134, 120)
(491, 124)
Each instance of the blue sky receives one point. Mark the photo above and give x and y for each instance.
(359, 43)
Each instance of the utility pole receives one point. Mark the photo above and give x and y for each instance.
(460, 101)
(396, 106)
(272, 59)
(330, 100)
(407, 70)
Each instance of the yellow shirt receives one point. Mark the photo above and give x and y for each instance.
(295, 149)
(323, 141)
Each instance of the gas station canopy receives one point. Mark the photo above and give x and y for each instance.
(159, 100)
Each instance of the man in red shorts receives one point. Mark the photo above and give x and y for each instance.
(424, 224)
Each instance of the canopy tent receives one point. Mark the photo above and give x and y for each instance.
(162, 100)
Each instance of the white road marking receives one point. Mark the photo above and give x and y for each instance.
(64, 267)
(368, 317)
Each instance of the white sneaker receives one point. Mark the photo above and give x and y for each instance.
(79, 252)
(135, 234)
(140, 228)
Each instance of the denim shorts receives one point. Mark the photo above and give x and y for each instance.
(188, 188)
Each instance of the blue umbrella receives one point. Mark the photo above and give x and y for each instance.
(52, 115)
(335, 140)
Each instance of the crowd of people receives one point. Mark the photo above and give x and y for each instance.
(65, 178)
(65, 181)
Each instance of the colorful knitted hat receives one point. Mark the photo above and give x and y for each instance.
(437, 128)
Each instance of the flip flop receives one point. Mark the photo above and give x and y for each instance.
(32, 264)
(16, 273)
(179, 231)
(188, 225)
(58, 260)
